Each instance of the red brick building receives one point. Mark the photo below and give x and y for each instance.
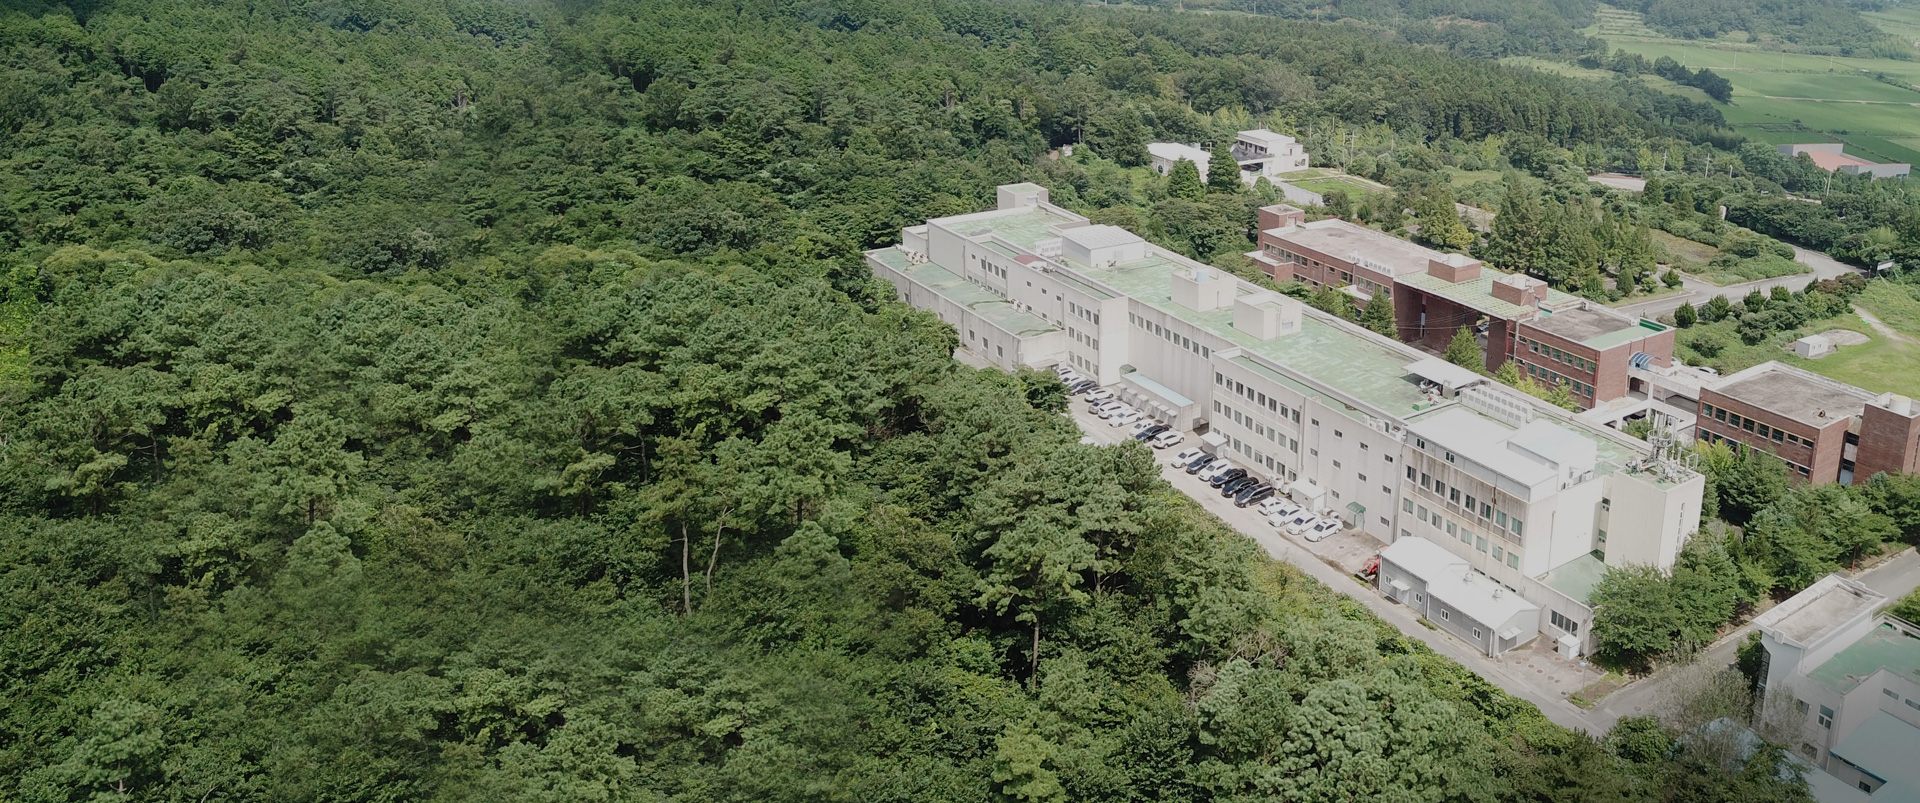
(1556, 338)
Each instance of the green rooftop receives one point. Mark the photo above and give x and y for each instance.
(1611, 339)
(993, 308)
(1351, 363)
(1577, 578)
(1885, 647)
(1477, 293)
(1023, 227)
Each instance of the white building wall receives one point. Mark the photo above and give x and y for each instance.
(1648, 524)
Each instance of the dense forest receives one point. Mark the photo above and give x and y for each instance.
(475, 400)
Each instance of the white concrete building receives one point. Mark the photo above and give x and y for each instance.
(1260, 153)
(1383, 436)
(1852, 678)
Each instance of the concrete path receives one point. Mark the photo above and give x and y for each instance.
(1880, 326)
(1699, 292)
(1895, 578)
(1248, 523)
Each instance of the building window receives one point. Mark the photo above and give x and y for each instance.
(1518, 529)
(1500, 518)
(1423, 512)
(1912, 704)
(1890, 693)
(1826, 717)
(1498, 553)
(1446, 614)
(1407, 505)
(1476, 632)
(1513, 559)
(1480, 544)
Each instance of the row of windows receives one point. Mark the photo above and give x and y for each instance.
(1170, 336)
(1467, 502)
(1273, 405)
(1274, 467)
(1258, 428)
(1083, 313)
(1741, 422)
(1911, 703)
(1346, 276)
(1511, 557)
(994, 269)
(1571, 627)
(1553, 378)
(1711, 437)
(1082, 338)
(1569, 358)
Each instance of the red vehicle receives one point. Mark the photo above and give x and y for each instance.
(1370, 569)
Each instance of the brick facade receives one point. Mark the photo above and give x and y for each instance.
(1889, 439)
(1815, 456)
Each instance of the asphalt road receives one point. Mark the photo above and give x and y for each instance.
(1896, 578)
(1698, 292)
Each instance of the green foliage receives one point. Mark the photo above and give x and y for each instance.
(1684, 316)
(1464, 350)
(1223, 173)
(1378, 317)
(1183, 182)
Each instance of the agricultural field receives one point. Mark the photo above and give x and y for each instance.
(1783, 98)
(1357, 191)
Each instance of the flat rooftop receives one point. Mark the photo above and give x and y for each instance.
(1885, 746)
(1342, 240)
(1835, 161)
(1025, 227)
(1369, 369)
(1477, 293)
(1886, 646)
(1795, 394)
(1577, 578)
(1806, 616)
(1588, 327)
(1450, 581)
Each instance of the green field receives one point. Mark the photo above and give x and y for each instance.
(1782, 98)
(1879, 365)
(1356, 191)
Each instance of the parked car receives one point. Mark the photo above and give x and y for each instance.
(1167, 439)
(1140, 426)
(1186, 457)
(1227, 476)
(1062, 369)
(1099, 394)
(1301, 523)
(1319, 531)
(1152, 431)
(1284, 522)
(1106, 409)
(1125, 417)
(1212, 468)
(1070, 377)
(1230, 488)
(1253, 495)
(1203, 464)
(1278, 505)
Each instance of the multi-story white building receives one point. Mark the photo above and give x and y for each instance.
(1849, 679)
(1398, 444)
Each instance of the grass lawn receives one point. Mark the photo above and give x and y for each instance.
(1356, 191)
(1882, 364)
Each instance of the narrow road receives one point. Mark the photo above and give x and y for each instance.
(1699, 292)
(1896, 578)
(1248, 523)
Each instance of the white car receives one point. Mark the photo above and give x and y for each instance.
(1062, 369)
(1106, 409)
(1168, 439)
(1099, 394)
(1123, 418)
(1224, 467)
(1140, 426)
(1186, 456)
(1302, 522)
(1321, 529)
(1279, 506)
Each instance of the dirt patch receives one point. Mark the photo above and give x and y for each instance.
(1882, 327)
(1846, 337)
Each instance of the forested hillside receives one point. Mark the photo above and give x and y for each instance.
(477, 400)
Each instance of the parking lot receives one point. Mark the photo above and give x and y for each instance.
(1530, 673)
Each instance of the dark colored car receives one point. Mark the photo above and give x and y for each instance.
(1253, 496)
(1149, 432)
(1231, 488)
(1082, 386)
(1204, 463)
(1193, 466)
(1229, 476)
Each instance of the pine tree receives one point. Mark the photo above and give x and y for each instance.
(1516, 240)
(1439, 221)
(1684, 316)
(1223, 173)
(1378, 316)
(1183, 181)
(1716, 309)
(1464, 350)
(1561, 396)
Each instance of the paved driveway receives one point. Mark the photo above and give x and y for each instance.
(1536, 676)
(1699, 292)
